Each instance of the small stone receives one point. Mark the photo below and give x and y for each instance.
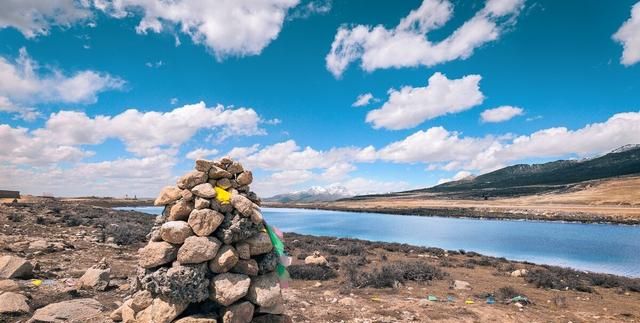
(225, 183)
(15, 267)
(202, 203)
(11, 302)
(278, 308)
(461, 285)
(197, 319)
(175, 231)
(186, 195)
(141, 300)
(247, 267)
(205, 221)
(75, 310)
(196, 250)
(128, 314)
(347, 301)
(204, 190)
(272, 318)
(203, 165)
(243, 249)
(227, 288)
(217, 173)
(225, 259)
(156, 254)
(8, 285)
(259, 243)
(192, 179)
(235, 168)
(96, 277)
(168, 195)
(265, 290)
(238, 313)
(180, 211)
(245, 178)
(519, 273)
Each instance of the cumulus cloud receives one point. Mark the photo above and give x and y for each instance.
(364, 99)
(22, 85)
(35, 17)
(407, 44)
(227, 27)
(629, 36)
(458, 176)
(201, 153)
(501, 114)
(314, 7)
(410, 106)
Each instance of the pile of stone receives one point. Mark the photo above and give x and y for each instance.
(209, 258)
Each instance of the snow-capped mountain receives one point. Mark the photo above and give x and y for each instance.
(314, 194)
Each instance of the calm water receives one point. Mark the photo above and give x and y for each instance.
(596, 247)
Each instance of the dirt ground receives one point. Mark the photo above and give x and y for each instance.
(79, 238)
(613, 200)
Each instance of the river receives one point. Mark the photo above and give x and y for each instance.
(605, 248)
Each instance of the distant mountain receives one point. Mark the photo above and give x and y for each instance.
(529, 179)
(313, 194)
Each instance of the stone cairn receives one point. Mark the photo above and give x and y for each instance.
(210, 257)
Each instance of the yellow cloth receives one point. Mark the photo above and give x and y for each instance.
(469, 301)
(222, 195)
(36, 282)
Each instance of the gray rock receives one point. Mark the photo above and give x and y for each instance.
(236, 228)
(259, 243)
(196, 250)
(202, 203)
(192, 179)
(247, 267)
(225, 259)
(204, 190)
(227, 288)
(11, 302)
(141, 300)
(203, 165)
(217, 173)
(15, 267)
(180, 210)
(156, 254)
(205, 221)
(75, 310)
(267, 263)
(179, 284)
(238, 313)
(97, 277)
(198, 319)
(265, 290)
(235, 168)
(243, 250)
(224, 183)
(461, 285)
(168, 195)
(245, 178)
(175, 231)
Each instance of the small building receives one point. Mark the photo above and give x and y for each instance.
(9, 194)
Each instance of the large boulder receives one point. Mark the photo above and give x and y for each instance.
(238, 313)
(227, 288)
(96, 277)
(180, 210)
(245, 178)
(265, 290)
(15, 267)
(316, 259)
(168, 195)
(205, 221)
(156, 254)
(192, 179)
(235, 168)
(217, 173)
(204, 190)
(259, 244)
(198, 249)
(226, 258)
(175, 231)
(203, 165)
(236, 228)
(11, 302)
(75, 310)
(161, 311)
(182, 283)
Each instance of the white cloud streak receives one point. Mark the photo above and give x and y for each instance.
(629, 36)
(500, 114)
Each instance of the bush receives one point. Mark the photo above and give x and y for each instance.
(311, 272)
(506, 293)
(124, 234)
(15, 217)
(302, 256)
(389, 275)
(558, 278)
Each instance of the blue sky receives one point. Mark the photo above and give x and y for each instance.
(115, 98)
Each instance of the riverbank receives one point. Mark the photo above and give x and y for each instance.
(363, 281)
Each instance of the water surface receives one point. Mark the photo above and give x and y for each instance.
(604, 248)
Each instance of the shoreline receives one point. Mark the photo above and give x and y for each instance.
(465, 212)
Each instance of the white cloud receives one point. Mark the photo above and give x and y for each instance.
(35, 17)
(173, 101)
(201, 153)
(314, 7)
(22, 86)
(500, 114)
(157, 64)
(226, 27)
(364, 99)
(407, 44)
(629, 36)
(458, 176)
(409, 106)
(360, 186)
